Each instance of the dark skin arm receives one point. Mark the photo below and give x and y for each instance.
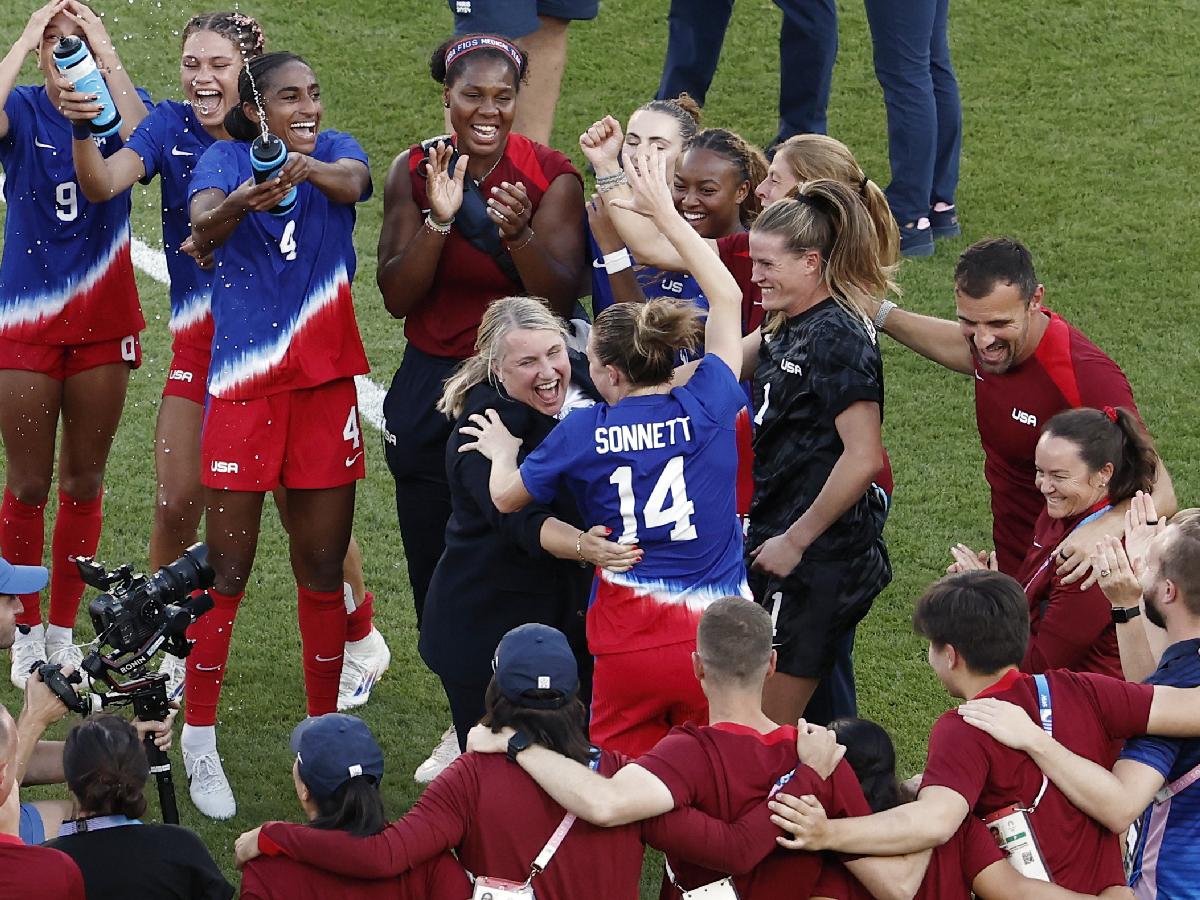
(408, 252)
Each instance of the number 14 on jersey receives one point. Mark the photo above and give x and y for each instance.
(656, 512)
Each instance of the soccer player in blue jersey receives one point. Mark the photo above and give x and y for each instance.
(69, 318)
(282, 409)
(656, 463)
(169, 143)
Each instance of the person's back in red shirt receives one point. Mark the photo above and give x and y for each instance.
(282, 878)
(1092, 714)
(726, 770)
(1065, 371)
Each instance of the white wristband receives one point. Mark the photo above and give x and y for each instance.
(617, 261)
(880, 317)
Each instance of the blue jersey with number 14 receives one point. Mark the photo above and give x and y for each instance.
(659, 470)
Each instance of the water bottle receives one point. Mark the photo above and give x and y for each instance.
(267, 156)
(75, 61)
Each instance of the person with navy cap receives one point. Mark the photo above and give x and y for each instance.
(496, 817)
(337, 771)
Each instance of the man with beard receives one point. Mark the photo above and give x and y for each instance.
(1029, 364)
(1155, 785)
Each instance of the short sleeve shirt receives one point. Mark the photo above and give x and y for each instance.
(1167, 855)
(1092, 715)
(724, 770)
(810, 370)
(1066, 371)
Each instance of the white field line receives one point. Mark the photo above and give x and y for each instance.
(153, 262)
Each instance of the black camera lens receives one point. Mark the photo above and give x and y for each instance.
(191, 572)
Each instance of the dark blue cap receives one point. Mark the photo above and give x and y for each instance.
(21, 579)
(532, 660)
(334, 748)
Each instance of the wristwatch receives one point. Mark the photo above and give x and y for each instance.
(518, 742)
(1120, 615)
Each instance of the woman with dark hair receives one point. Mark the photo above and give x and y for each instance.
(69, 317)
(282, 406)
(169, 143)
(969, 864)
(656, 463)
(106, 770)
(497, 819)
(336, 773)
(1087, 462)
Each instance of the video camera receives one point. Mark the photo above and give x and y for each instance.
(137, 616)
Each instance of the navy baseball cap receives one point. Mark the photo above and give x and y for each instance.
(334, 748)
(21, 579)
(535, 667)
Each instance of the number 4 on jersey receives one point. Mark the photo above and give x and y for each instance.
(656, 513)
(287, 243)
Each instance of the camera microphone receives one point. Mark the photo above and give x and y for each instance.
(24, 629)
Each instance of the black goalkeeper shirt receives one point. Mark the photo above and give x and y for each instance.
(810, 369)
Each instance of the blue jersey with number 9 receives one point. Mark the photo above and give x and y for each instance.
(659, 470)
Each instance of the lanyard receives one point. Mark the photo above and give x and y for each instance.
(1091, 517)
(1046, 714)
(96, 823)
(556, 839)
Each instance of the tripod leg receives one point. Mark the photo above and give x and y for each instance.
(160, 765)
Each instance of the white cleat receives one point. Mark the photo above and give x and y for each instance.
(176, 670)
(208, 785)
(64, 653)
(363, 665)
(27, 649)
(442, 756)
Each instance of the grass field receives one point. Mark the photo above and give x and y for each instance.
(1079, 141)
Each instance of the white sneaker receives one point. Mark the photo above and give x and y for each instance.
(363, 665)
(26, 650)
(65, 653)
(208, 785)
(176, 670)
(442, 756)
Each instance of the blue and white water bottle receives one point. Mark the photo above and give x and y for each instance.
(267, 156)
(75, 61)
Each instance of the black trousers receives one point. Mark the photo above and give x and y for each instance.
(808, 42)
(415, 446)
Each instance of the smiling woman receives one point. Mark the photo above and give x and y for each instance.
(469, 218)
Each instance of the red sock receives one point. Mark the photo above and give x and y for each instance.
(76, 533)
(322, 617)
(22, 540)
(206, 663)
(359, 622)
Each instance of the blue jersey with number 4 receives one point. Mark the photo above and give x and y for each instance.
(659, 470)
(283, 317)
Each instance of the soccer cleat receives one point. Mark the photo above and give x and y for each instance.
(64, 653)
(363, 665)
(442, 756)
(208, 786)
(944, 223)
(26, 650)
(176, 670)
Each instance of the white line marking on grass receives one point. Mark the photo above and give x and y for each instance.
(153, 262)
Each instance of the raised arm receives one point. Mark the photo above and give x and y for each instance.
(601, 144)
(30, 41)
(1123, 590)
(120, 85)
(343, 181)
(936, 339)
(1113, 799)
(652, 198)
(409, 250)
(102, 179)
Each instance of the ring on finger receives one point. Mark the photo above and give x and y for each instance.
(1104, 573)
(1152, 521)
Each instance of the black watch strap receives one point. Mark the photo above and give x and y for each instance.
(1123, 614)
(518, 742)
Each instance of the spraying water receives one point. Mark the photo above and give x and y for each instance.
(258, 100)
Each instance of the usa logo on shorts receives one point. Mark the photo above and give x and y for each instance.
(462, 7)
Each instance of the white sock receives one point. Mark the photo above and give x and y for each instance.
(56, 634)
(198, 740)
(36, 633)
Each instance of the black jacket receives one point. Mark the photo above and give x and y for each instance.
(494, 574)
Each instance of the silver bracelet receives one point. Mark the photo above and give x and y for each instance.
(884, 309)
(442, 228)
(607, 183)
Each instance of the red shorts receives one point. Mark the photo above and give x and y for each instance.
(638, 696)
(188, 375)
(307, 438)
(61, 361)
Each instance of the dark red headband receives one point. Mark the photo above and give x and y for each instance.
(485, 42)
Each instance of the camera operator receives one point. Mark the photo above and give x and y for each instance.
(27, 871)
(106, 769)
(37, 761)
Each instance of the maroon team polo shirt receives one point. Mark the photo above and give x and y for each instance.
(725, 770)
(40, 872)
(281, 878)
(1093, 714)
(1066, 371)
(953, 868)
